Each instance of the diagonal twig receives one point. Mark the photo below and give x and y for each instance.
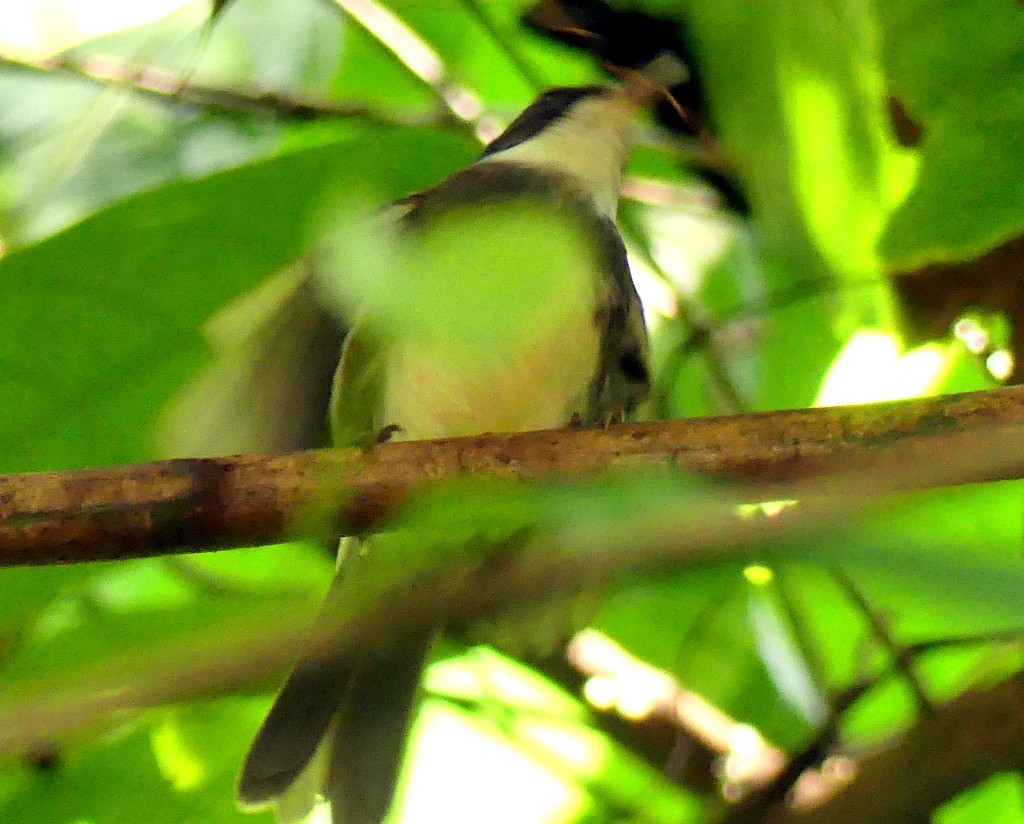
(172, 89)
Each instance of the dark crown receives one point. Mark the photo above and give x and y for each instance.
(552, 105)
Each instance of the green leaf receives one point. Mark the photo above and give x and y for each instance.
(967, 197)
(803, 122)
(1000, 800)
(466, 273)
(173, 766)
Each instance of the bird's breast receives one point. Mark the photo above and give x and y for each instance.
(438, 388)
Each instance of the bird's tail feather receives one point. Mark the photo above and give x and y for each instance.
(370, 732)
(337, 729)
(295, 726)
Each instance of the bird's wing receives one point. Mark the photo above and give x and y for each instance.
(356, 397)
(275, 353)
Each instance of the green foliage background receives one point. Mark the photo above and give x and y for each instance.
(128, 220)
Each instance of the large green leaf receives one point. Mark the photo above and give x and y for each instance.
(177, 766)
(958, 69)
(99, 324)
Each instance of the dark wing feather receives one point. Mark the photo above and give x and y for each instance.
(275, 351)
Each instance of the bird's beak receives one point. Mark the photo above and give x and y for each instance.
(644, 86)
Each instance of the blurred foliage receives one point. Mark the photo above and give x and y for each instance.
(128, 219)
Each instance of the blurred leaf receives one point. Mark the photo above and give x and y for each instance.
(79, 786)
(786, 663)
(458, 277)
(697, 627)
(95, 638)
(1000, 799)
(975, 530)
(805, 129)
(27, 592)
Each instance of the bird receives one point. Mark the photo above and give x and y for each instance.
(534, 322)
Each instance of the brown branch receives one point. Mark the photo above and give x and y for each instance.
(206, 504)
(654, 703)
(396, 599)
(806, 778)
(976, 735)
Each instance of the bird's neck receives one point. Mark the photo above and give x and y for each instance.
(591, 149)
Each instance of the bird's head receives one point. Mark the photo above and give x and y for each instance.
(583, 132)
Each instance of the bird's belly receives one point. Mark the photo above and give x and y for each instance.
(438, 390)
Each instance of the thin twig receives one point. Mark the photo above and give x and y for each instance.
(999, 636)
(169, 88)
(879, 627)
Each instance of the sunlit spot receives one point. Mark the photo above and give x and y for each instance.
(759, 576)
(744, 762)
(94, 18)
(657, 297)
(320, 814)
(745, 741)
(601, 692)
(686, 246)
(1000, 364)
(454, 678)
(769, 509)
(775, 508)
(18, 26)
(747, 511)
(178, 764)
(972, 334)
(639, 695)
(579, 748)
(871, 368)
(36, 28)
(464, 766)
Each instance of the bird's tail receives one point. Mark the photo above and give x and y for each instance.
(337, 732)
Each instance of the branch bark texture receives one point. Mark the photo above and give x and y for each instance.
(186, 505)
(976, 735)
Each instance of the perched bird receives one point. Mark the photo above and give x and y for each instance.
(533, 322)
